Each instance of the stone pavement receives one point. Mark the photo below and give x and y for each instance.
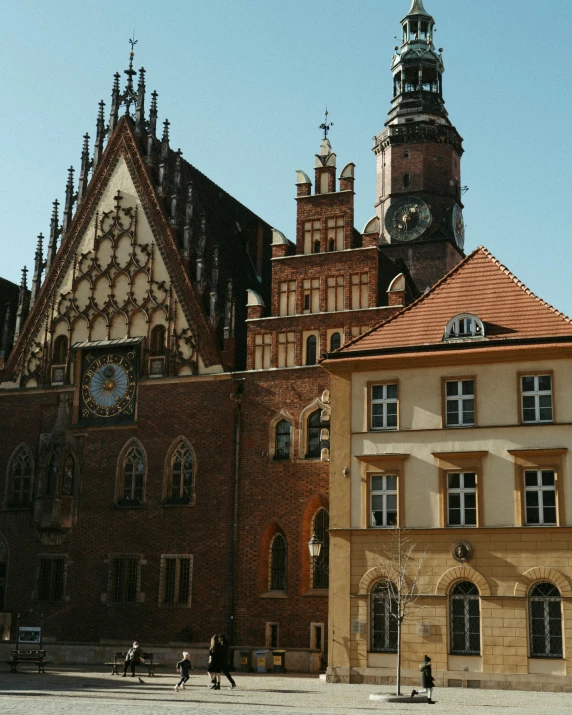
(92, 691)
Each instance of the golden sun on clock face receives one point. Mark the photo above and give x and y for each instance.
(108, 387)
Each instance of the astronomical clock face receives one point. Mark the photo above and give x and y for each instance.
(458, 225)
(407, 219)
(108, 386)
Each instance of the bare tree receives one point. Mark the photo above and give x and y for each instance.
(402, 564)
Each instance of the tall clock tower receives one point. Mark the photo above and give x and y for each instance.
(419, 159)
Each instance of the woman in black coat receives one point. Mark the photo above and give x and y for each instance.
(427, 680)
(225, 659)
(216, 663)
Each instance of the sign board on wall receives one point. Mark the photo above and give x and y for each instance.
(423, 629)
(357, 626)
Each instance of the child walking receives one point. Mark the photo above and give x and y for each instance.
(183, 666)
(427, 681)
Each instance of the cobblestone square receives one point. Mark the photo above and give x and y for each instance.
(93, 692)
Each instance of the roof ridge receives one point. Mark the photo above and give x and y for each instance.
(522, 285)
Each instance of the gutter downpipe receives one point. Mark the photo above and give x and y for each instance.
(236, 397)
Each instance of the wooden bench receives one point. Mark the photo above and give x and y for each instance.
(119, 662)
(37, 657)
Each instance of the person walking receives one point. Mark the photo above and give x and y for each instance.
(215, 663)
(134, 657)
(183, 666)
(225, 659)
(427, 681)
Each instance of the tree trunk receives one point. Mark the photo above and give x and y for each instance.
(398, 657)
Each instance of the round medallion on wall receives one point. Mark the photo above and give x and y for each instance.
(407, 218)
(108, 386)
(458, 225)
(462, 551)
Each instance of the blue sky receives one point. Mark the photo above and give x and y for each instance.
(244, 84)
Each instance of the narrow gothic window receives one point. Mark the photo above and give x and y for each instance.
(123, 579)
(181, 475)
(158, 340)
(51, 579)
(282, 449)
(278, 563)
(21, 477)
(316, 247)
(67, 477)
(311, 350)
(313, 437)
(331, 245)
(321, 565)
(176, 574)
(465, 619)
(406, 180)
(383, 619)
(545, 621)
(335, 341)
(133, 471)
(60, 350)
(51, 477)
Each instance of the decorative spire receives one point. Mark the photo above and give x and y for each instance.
(188, 230)
(417, 9)
(55, 231)
(164, 165)
(152, 129)
(99, 136)
(86, 165)
(5, 340)
(38, 269)
(165, 140)
(23, 303)
(69, 202)
(115, 102)
(176, 185)
(140, 107)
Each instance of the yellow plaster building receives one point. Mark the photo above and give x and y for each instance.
(453, 420)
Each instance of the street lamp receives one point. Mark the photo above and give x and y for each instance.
(315, 546)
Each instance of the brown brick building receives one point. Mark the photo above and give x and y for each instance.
(166, 457)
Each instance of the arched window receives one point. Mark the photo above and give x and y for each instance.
(311, 350)
(157, 346)
(133, 472)
(463, 326)
(278, 563)
(68, 476)
(545, 614)
(60, 350)
(383, 619)
(181, 469)
(51, 477)
(335, 341)
(21, 474)
(313, 430)
(282, 449)
(320, 576)
(465, 619)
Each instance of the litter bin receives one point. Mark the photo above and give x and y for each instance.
(279, 658)
(261, 661)
(245, 656)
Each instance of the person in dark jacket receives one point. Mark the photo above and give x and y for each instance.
(427, 681)
(183, 666)
(134, 657)
(225, 660)
(215, 663)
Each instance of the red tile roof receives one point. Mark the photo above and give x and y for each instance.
(479, 285)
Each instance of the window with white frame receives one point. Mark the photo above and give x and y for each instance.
(335, 234)
(311, 296)
(360, 290)
(312, 235)
(464, 326)
(175, 579)
(286, 349)
(540, 497)
(336, 287)
(536, 398)
(262, 351)
(460, 403)
(384, 406)
(383, 500)
(462, 499)
(288, 298)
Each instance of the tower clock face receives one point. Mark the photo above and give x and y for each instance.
(108, 386)
(458, 225)
(407, 219)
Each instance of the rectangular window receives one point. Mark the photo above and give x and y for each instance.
(312, 236)
(124, 579)
(360, 291)
(358, 330)
(336, 285)
(384, 407)
(287, 298)
(335, 234)
(460, 403)
(383, 500)
(540, 497)
(176, 572)
(51, 578)
(536, 398)
(262, 351)
(462, 499)
(286, 349)
(312, 295)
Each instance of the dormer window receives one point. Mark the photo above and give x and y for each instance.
(464, 326)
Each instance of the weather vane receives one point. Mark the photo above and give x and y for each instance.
(133, 42)
(325, 126)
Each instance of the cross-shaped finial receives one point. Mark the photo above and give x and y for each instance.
(325, 126)
(117, 198)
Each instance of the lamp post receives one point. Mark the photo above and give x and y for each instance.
(315, 546)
